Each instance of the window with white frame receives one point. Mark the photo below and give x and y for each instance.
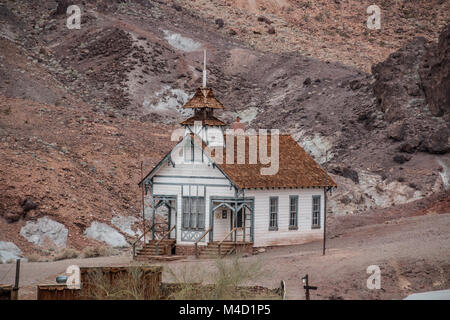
(293, 212)
(273, 218)
(316, 212)
(193, 213)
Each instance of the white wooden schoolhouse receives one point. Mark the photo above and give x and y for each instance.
(210, 205)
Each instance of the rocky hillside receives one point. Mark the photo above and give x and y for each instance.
(80, 109)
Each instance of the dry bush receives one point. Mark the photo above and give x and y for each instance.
(225, 282)
(66, 253)
(127, 286)
(34, 257)
(97, 251)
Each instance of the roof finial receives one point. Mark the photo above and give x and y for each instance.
(204, 68)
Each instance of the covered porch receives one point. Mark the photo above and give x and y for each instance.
(231, 219)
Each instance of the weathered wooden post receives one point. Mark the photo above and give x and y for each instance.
(15, 291)
(325, 204)
(307, 287)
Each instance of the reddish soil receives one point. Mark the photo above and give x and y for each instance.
(89, 172)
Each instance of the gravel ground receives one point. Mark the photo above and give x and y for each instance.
(413, 254)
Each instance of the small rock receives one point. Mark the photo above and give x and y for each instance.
(177, 7)
(219, 23)
(271, 30)
(401, 158)
(27, 204)
(397, 131)
(264, 19)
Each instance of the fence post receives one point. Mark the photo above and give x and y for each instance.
(15, 290)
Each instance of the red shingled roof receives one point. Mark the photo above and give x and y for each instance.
(296, 168)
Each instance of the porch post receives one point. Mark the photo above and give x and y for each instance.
(169, 218)
(235, 214)
(153, 217)
(244, 217)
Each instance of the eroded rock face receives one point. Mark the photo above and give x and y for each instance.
(412, 91)
(435, 75)
(371, 192)
(45, 232)
(102, 232)
(397, 84)
(9, 251)
(438, 140)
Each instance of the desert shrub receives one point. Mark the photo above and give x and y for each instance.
(96, 251)
(127, 286)
(34, 257)
(66, 253)
(224, 283)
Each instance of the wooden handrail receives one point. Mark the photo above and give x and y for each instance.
(203, 235)
(140, 237)
(230, 232)
(167, 234)
(163, 237)
(199, 239)
(220, 243)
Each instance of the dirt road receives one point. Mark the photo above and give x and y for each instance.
(413, 254)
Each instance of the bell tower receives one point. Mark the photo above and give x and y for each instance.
(203, 123)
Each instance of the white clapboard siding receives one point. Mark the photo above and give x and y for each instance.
(199, 179)
(202, 179)
(284, 236)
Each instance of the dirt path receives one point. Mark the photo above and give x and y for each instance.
(413, 255)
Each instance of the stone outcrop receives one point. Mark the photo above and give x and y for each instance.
(9, 252)
(102, 232)
(45, 232)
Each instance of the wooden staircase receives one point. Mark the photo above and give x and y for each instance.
(153, 250)
(212, 249)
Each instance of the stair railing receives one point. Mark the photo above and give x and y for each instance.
(200, 239)
(224, 238)
(163, 237)
(150, 229)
